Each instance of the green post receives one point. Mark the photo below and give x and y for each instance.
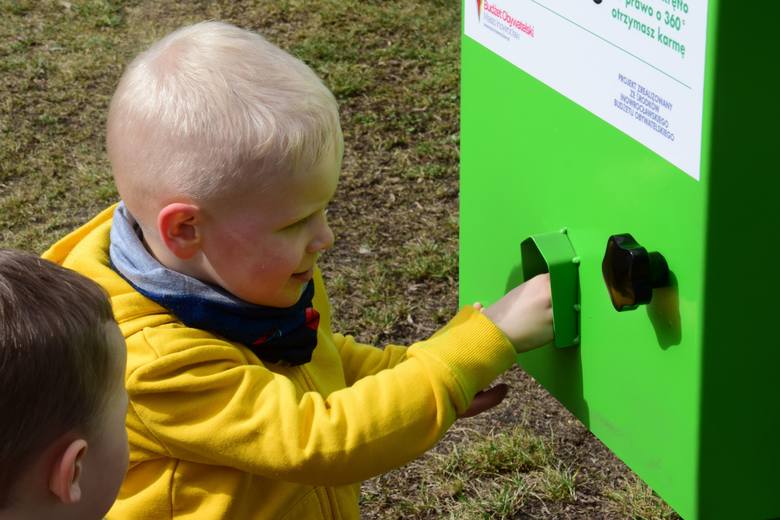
(656, 119)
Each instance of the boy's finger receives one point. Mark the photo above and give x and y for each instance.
(486, 400)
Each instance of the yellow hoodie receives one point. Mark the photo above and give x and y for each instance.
(216, 433)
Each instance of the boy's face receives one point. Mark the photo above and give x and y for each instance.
(263, 248)
(105, 463)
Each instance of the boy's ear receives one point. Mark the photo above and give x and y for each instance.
(178, 227)
(66, 472)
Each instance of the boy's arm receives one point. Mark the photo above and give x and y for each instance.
(360, 360)
(204, 403)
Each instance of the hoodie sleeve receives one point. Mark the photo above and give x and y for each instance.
(201, 401)
(358, 360)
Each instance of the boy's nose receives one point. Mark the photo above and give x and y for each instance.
(323, 240)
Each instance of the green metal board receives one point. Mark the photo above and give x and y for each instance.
(684, 390)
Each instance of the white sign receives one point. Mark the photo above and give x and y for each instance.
(637, 64)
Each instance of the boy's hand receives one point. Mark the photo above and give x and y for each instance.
(485, 400)
(524, 314)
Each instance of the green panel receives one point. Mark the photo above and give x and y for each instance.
(542, 163)
(684, 390)
(740, 446)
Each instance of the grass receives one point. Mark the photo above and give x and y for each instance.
(484, 476)
(512, 473)
(633, 499)
(393, 66)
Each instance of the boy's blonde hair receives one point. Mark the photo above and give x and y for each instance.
(211, 106)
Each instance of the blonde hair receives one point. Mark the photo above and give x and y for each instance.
(209, 105)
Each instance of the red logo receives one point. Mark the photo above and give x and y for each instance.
(479, 9)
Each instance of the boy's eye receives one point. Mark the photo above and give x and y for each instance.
(304, 220)
(297, 223)
(294, 225)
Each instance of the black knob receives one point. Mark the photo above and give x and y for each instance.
(631, 273)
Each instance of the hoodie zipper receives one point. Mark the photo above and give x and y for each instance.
(325, 494)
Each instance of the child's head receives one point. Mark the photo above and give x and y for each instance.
(63, 443)
(218, 142)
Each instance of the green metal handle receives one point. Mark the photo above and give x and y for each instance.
(553, 253)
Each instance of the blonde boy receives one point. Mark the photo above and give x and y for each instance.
(63, 444)
(226, 151)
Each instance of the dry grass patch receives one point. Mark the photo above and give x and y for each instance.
(482, 476)
(633, 499)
